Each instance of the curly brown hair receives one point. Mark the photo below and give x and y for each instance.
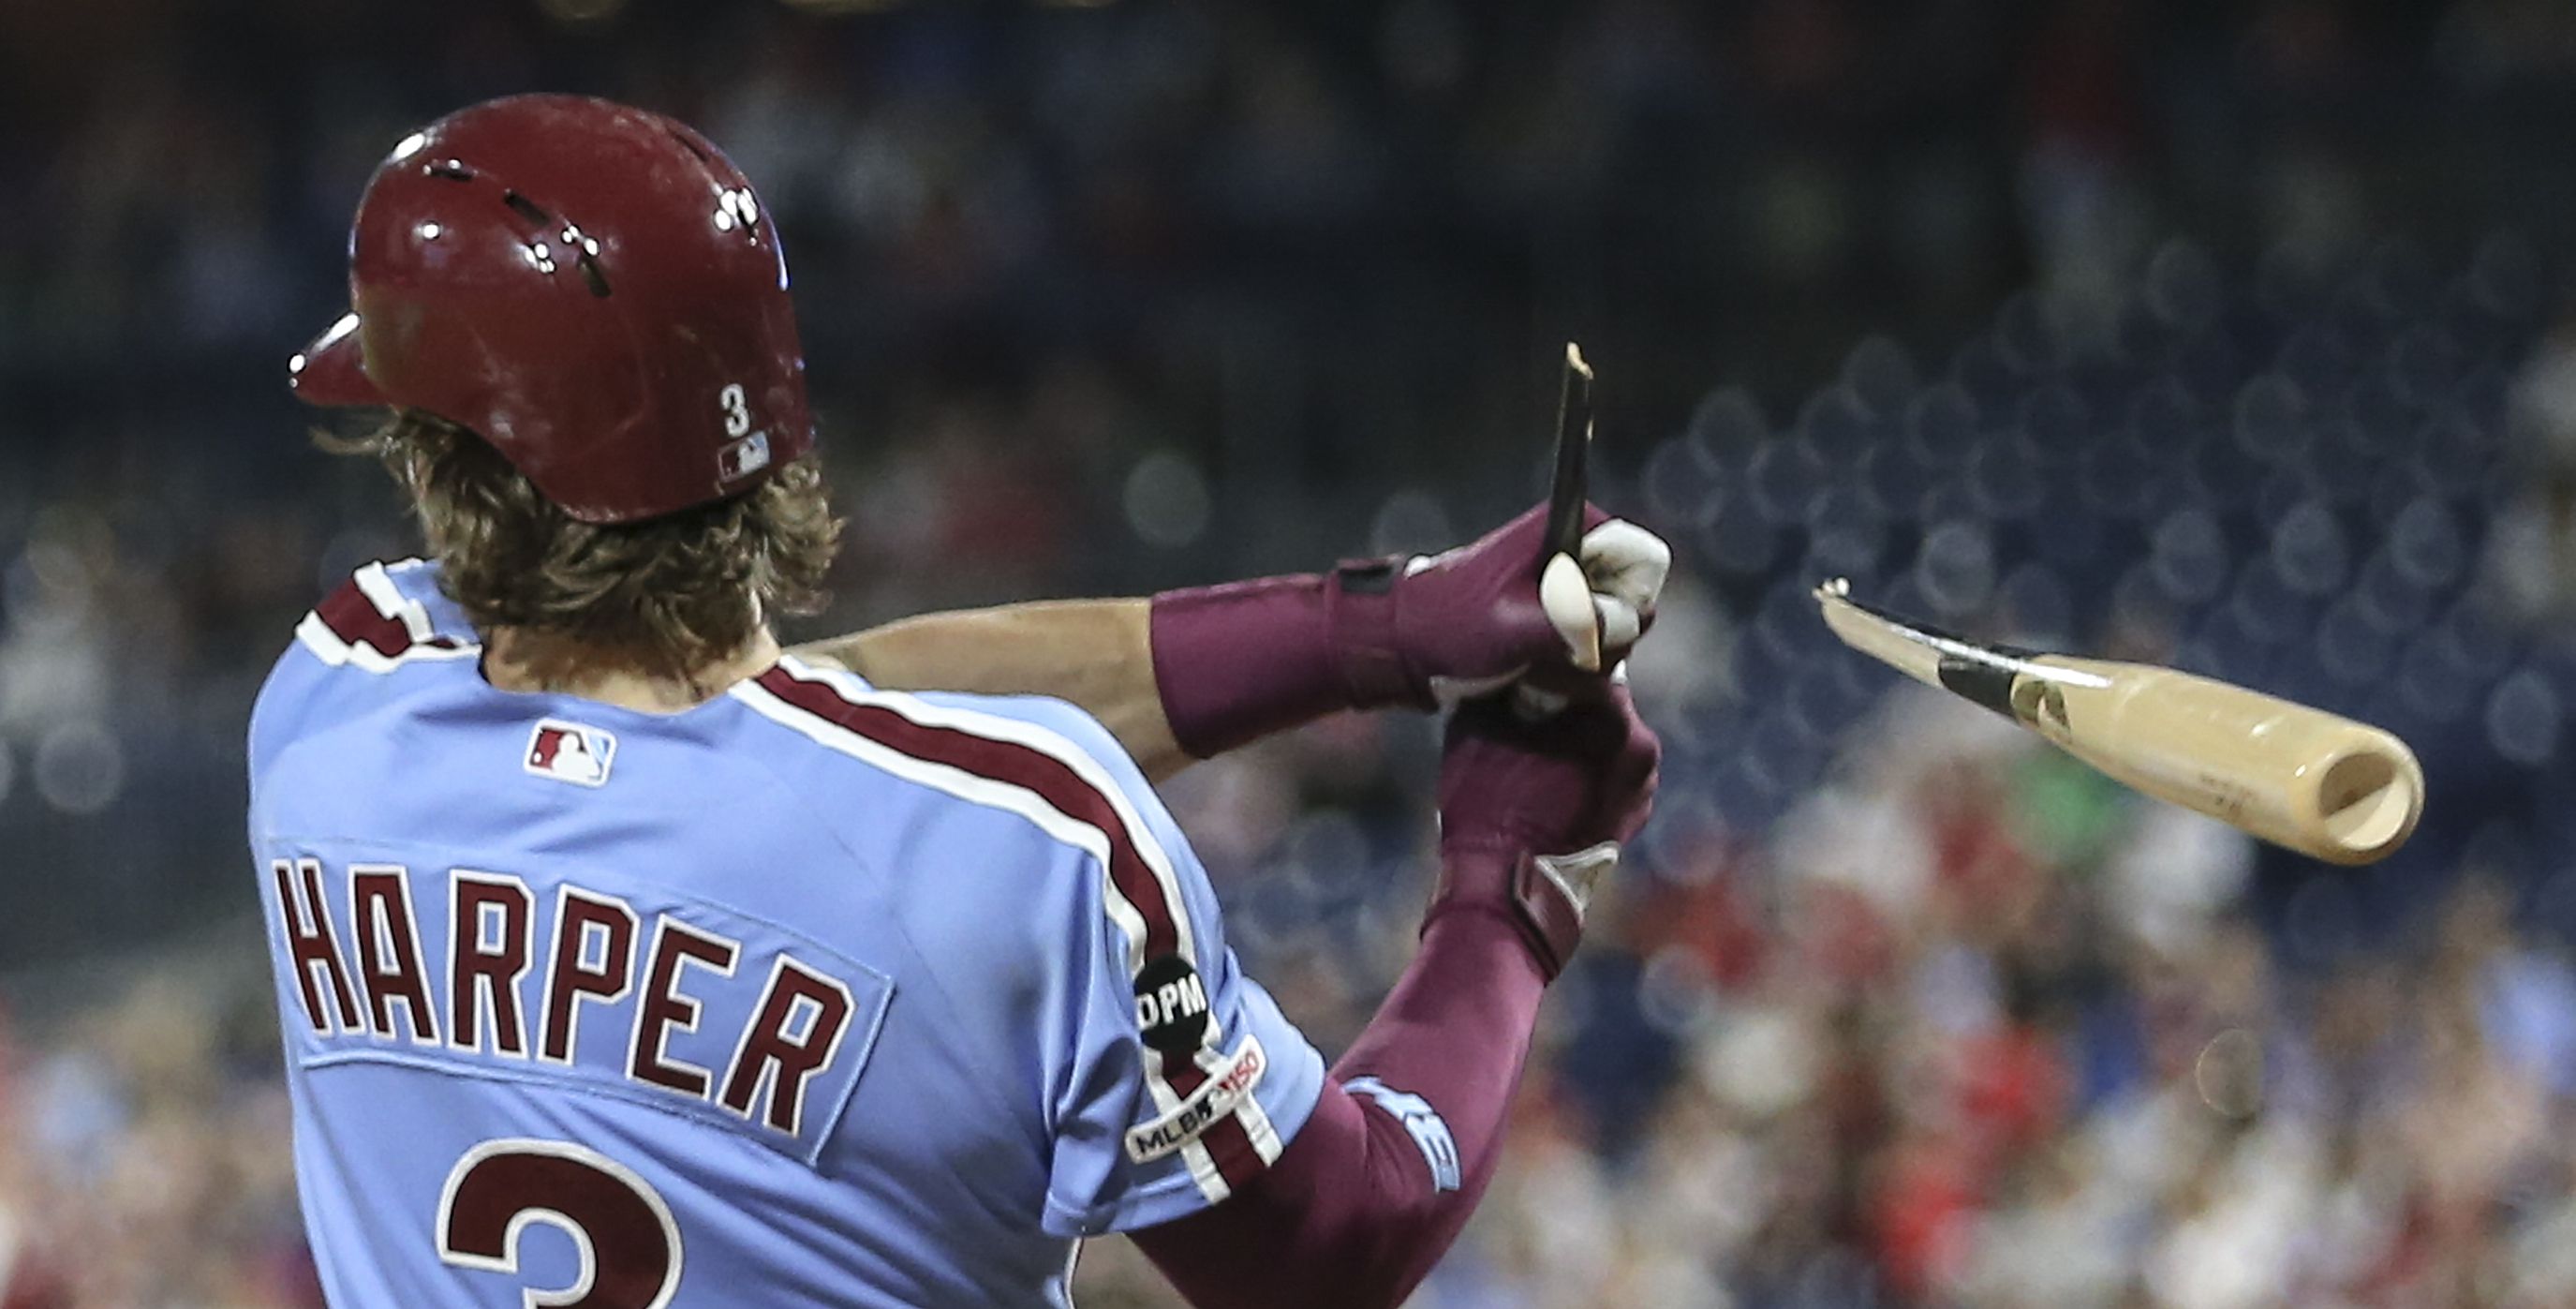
(666, 597)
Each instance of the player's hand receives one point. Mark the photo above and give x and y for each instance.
(1445, 628)
(1532, 813)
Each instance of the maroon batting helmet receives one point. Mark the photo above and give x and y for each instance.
(592, 288)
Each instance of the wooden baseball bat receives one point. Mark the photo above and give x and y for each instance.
(2297, 776)
(1563, 591)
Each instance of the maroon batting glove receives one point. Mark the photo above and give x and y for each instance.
(1237, 662)
(1532, 813)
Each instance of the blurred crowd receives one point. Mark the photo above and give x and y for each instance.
(1976, 1028)
(1972, 1027)
(1894, 1009)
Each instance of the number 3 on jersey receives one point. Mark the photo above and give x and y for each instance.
(630, 1247)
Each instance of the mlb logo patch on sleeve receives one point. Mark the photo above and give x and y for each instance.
(570, 752)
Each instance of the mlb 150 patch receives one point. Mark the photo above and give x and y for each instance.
(570, 752)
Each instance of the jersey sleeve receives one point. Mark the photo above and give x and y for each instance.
(1176, 1077)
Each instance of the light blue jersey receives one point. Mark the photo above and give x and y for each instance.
(810, 995)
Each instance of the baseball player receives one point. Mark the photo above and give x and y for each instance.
(626, 961)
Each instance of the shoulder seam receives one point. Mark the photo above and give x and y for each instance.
(1034, 772)
(929, 978)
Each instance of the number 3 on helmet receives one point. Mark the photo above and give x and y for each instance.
(573, 279)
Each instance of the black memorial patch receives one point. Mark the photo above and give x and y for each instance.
(1171, 1005)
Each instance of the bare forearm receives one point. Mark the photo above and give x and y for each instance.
(1194, 673)
(1095, 653)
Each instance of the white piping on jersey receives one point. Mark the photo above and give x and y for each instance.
(1255, 1119)
(326, 645)
(1209, 1056)
(1054, 746)
(378, 586)
(1013, 798)
(992, 793)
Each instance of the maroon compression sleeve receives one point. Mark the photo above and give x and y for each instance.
(1238, 662)
(1235, 663)
(1352, 1213)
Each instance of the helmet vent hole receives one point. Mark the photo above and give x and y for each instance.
(449, 170)
(590, 273)
(526, 208)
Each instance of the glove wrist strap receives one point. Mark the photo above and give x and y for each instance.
(1360, 626)
(1545, 896)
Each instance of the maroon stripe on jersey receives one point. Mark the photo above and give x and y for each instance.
(1055, 782)
(354, 619)
(1228, 1141)
(1050, 778)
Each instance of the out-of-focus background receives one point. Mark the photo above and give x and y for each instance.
(2229, 333)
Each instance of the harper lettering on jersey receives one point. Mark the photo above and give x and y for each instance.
(477, 965)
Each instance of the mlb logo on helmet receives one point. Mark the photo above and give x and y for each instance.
(570, 752)
(740, 459)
